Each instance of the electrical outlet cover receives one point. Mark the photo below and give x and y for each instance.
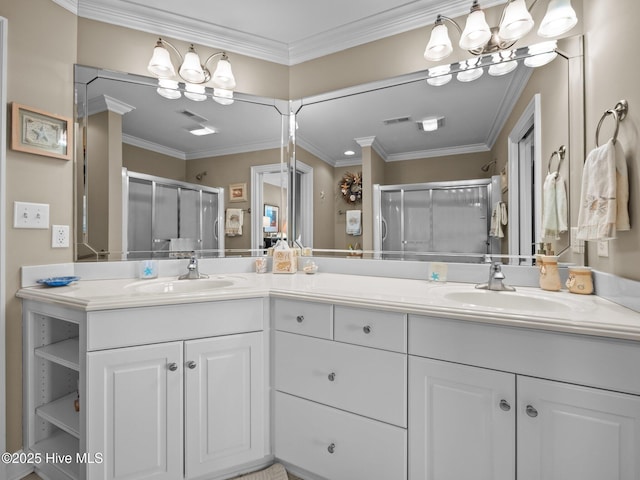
(59, 236)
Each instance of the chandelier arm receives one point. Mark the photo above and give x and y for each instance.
(166, 42)
(439, 18)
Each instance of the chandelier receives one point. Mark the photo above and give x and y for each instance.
(479, 38)
(193, 73)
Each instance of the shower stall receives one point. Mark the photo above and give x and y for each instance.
(443, 221)
(166, 218)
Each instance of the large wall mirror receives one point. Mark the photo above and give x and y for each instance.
(125, 123)
(486, 128)
(171, 157)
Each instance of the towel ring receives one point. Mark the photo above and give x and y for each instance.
(619, 112)
(561, 152)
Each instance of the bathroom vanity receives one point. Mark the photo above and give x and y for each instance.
(374, 378)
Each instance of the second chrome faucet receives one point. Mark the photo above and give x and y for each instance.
(496, 280)
(192, 270)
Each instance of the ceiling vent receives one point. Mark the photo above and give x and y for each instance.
(193, 116)
(393, 121)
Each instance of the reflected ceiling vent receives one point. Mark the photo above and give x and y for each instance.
(392, 121)
(193, 116)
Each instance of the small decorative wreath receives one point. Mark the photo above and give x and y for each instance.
(351, 187)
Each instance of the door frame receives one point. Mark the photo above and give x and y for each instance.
(531, 117)
(3, 222)
(257, 200)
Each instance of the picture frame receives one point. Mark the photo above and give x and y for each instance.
(238, 192)
(41, 133)
(271, 212)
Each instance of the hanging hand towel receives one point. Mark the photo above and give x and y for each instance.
(554, 207)
(598, 203)
(354, 222)
(622, 189)
(233, 222)
(499, 218)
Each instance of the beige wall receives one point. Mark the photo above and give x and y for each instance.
(440, 169)
(140, 160)
(41, 41)
(611, 73)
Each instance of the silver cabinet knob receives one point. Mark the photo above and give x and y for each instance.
(504, 405)
(300, 318)
(191, 364)
(366, 329)
(332, 376)
(532, 412)
(331, 448)
(172, 367)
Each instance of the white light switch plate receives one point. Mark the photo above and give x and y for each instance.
(30, 215)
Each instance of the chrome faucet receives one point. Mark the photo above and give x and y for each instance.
(192, 269)
(496, 280)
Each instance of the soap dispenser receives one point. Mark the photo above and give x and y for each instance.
(549, 274)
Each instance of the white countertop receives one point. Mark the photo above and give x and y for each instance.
(534, 308)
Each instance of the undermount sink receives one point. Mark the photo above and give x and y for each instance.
(507, 301)
(181, 286)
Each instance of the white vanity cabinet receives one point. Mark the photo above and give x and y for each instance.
(489, 388)
(341, 392)
(166, 392)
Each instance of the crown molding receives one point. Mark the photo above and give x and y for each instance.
(438, 152)
(417, 14)
(154, 147)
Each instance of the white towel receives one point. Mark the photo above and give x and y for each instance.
(554, 207)
(499, 218)
(354, 222)
(603, 177)
(233, 222)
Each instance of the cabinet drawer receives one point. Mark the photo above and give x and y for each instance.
(358, 379)
(371, 328)
(305, 318)
(337, 445)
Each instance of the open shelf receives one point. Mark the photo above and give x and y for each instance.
(61, 413)
(65, 353)
(61, 444)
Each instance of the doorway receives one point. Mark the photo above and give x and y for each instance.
(524, 173)
(269, 177)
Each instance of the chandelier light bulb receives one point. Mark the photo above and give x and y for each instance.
(476, 32)
(222, 96)
(439, 46)
(439, 75)
(559, 19)
(168, 88)
(541, 54)
(195, 92)
(223, 76)
(160, 64)
(517, 21)
(191, 68)
(470, 71)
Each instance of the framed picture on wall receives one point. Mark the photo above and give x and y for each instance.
(270, 219)
(238, 192)
(36, 131)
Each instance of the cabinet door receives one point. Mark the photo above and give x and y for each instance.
(461, 422)
(567, 431)
(134, 412)
(224, 402)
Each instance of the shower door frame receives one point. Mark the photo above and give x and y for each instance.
(379, 223)
(155, 181)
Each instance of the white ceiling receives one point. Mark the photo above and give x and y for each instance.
(282, 31)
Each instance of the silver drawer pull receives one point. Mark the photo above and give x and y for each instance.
(172, 367)
(331, 448)
(366, 329)
(332, 376)
(532, 412)
(300, 318)
(504, 405)
(191, 364)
